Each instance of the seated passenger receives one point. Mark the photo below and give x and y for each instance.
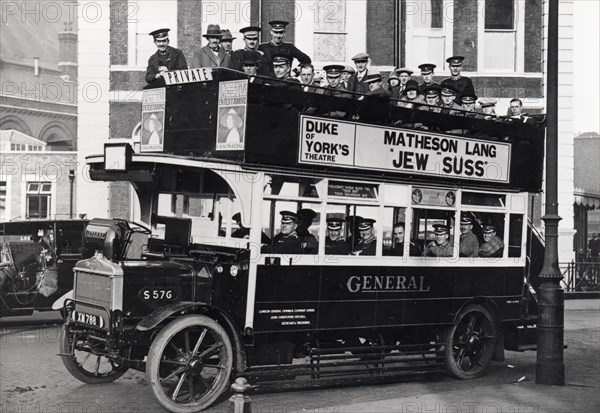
(441, 246)
(335, 244)
(398, 248)
(243, 232)
(281, 68)
(367, 243)
(376, 87)
(411, 97)
(287, 241)
(492, 245)
(469, 244)
(309, 242)
(432, 99)
(468, 105)
(488, 108)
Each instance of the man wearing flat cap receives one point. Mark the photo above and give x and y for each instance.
(356, 83)
(427, 72)
(462, 84)
(265, 66)
(287, 241)
(278, 46)
(368, 240)
(211, 55)
(335, 243)
(493, 245)
(469, 245)
(165, 59)
(441, 245)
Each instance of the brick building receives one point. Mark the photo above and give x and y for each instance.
(38, 110)
(502, 40)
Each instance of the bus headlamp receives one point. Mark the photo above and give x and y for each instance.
(219, 269)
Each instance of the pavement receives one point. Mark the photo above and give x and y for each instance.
(33, 380)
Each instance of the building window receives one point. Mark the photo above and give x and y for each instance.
(146, 16)
(428, 32)
(3, 201)
(499, 15)
(500, 36)
(38, 199)
(330, 35)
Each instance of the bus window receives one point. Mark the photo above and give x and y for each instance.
(293, 186)
(292, 227)
(515, 235)
(433, 232)
(395, 234)
(488, 228)
(480, 199)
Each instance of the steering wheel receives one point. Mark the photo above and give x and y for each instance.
(134, 226)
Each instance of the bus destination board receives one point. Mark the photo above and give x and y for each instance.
(355, 145)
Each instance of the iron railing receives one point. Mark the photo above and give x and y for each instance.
(581, 275)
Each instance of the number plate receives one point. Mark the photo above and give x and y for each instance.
(91, 319)
(158, 294)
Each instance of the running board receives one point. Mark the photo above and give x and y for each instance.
(349, 366)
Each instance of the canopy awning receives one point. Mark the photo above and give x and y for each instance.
(587, 199)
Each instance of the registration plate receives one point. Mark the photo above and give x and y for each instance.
(91, 319)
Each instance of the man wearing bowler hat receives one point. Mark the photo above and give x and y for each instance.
(469, 245)
(251, 33)
(165, 59)
(356, 83)
(278, 46)
(427, 72)
(211, 55)
(287, 241)
(462, 84)
(441, 245)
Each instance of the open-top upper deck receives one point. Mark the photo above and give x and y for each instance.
(264, 123)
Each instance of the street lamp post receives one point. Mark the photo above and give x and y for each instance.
(71, 179)
(550, 368)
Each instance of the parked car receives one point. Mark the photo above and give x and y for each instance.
(36, 263)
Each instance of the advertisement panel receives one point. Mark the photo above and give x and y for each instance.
(231, 131)
(153, 120)
(355, 145)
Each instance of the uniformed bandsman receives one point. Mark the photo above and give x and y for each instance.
(462, 84)
(469, 245)
(488, 107)
(441, 246)
(278, 46)
(287, 241)
(334, 77)
(432, 98)
(356, 83)
(251, 33)
(468, 104)
(335, 244)
(448, 105)
(368, 240)
(492, 244)
(427, 72)
(165, 59)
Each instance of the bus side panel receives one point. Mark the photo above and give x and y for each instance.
(293, 298)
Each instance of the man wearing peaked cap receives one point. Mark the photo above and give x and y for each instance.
(492, 244)
(165, 59)
(287, 241)
(441, 245)
(356, 83)
(431, 96)
(334, 76)
(251, 34)
(427, 73)
(282, 68)
(462, 84)
(335, 243)
(488, 107)
(448, 95)
(227, 41)
(278, 46)
(468, 104)
(211, 55)
(368, 241)
(469, 245)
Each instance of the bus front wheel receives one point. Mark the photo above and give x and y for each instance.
(189, 364)
(469, 343)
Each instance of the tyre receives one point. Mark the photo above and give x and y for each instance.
(189, 364)
(84, 360)
(469, 343)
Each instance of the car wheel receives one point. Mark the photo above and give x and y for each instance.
(189, 364)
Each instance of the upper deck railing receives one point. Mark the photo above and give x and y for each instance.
(258, 121)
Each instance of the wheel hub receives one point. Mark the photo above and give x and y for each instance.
(195, 366)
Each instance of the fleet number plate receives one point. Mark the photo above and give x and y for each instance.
(91, 319)
(158, 294)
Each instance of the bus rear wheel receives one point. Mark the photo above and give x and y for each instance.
(189, 364)
(469, 343)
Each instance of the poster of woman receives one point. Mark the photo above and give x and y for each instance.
(232, 115)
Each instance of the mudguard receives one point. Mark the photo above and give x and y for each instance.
(160, 314)
(60, 303)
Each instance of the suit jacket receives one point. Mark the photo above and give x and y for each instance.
(359, 86)
(173, 59)
(206, 58)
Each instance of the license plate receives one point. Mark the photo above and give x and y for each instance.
(91, 319)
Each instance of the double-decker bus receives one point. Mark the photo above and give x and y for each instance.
(292, 232)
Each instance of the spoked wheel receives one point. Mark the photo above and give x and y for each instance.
(469, 343)
(189, 364)
(86, 360)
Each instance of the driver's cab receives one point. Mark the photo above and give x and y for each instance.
(116, 239)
